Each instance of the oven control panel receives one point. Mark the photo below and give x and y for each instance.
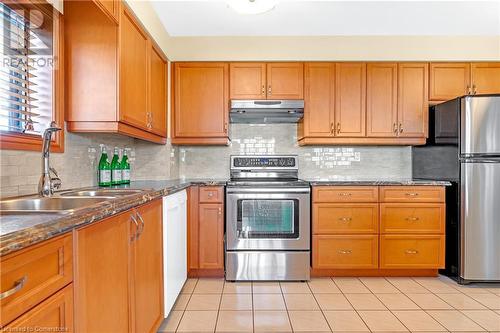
(264, 162)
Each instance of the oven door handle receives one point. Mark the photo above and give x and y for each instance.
(268, 190)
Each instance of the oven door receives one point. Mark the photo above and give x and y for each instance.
(268, 219)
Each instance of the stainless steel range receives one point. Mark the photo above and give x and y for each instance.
(267, 220)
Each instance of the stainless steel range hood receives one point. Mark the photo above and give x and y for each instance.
(266, 111)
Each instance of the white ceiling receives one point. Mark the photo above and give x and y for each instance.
(332, 18)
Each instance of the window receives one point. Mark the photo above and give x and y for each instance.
(30, 74)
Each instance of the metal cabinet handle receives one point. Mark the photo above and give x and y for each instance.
(412, 194)
(344, 251)
(400, 128)
(269, 90)
(345, 219)
(134, 236)
(18, 285)
(467, 90)
(332, 128)
(141, 228)
(220, 211)
(225, 127)
(345, 194)
(210, 194)
(412, 219)
(338, 128)
(395, 128)
(263, 89)
(411, 251)
(474, 90)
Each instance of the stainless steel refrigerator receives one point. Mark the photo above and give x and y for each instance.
(468, 129)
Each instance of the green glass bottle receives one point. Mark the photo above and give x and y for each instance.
(125, 168)
(104, 168)
(116, 169)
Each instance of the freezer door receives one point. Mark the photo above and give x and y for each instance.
(480, 125)
(480, 220)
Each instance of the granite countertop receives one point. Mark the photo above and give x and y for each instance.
(22, 230)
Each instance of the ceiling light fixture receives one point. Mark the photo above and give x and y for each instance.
(248, 7)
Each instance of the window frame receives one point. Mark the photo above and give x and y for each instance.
(30, 142)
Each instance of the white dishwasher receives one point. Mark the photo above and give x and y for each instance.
(174, 246)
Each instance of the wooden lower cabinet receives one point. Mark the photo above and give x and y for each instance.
(211, 243)
(345, 251)
(55, 314)
(335, 218)
(412, 251)
(412, 218)
(118, 281)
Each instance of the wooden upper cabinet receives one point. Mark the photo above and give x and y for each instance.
(200, 103)
(147, 267)
(158, 92)
(247, 80)
(413, 102)
(319, 93)
(110, 7)
(285, 80)
(134, 50)
(381, 99)
(485, 78)
(211, 234)
(350, 99)
(449, 80)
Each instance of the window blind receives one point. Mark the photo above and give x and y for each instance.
(26, 72)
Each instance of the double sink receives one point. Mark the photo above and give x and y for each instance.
(62, 202)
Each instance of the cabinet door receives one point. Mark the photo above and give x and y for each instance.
(345, 251)
(102, 276)
(133, 50)
(247, 80)
(147, 269)
(486, 78)
(285, 80)
(381, 99)
(319, 99)
(211, 231)
(56, 312)
(350, 99)
(448, 80)
(158, 92)
(413, 105)
(201, 100)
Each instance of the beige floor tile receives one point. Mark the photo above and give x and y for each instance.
(418, 321)
(407, 285)
(429, 301)
(171, 322)
(238, 288)
(300, 302)
(333, 302)
(489, 300)
(382, 321)
(268, 302)
(365, 302)
(454, 320)
(495, 289)
(209, 286)
(473, 289)
(271, 321)
(308, 321)
(379, 285)
(202, 302)
(189, 286)
(397, 302)
(198, 321)
(266, 288)
(323, 286)
(235, 321)
(295, 288)
(236, 302)
(461, 301)
(489, 320)
(181, 302)
(436, 285)
(345, 321)
(350, 285)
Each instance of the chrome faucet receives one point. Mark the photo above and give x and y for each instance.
(49, 179)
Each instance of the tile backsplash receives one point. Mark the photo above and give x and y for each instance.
(355, 162)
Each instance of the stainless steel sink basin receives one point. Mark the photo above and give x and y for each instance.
(118, 192)
(46, 205)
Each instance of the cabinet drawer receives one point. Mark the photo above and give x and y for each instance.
(411, 251)
(345, 251)
(412, 218)
(209, 194)
(33, 274)
(345, 194)
(412, 194)
(352, 218)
